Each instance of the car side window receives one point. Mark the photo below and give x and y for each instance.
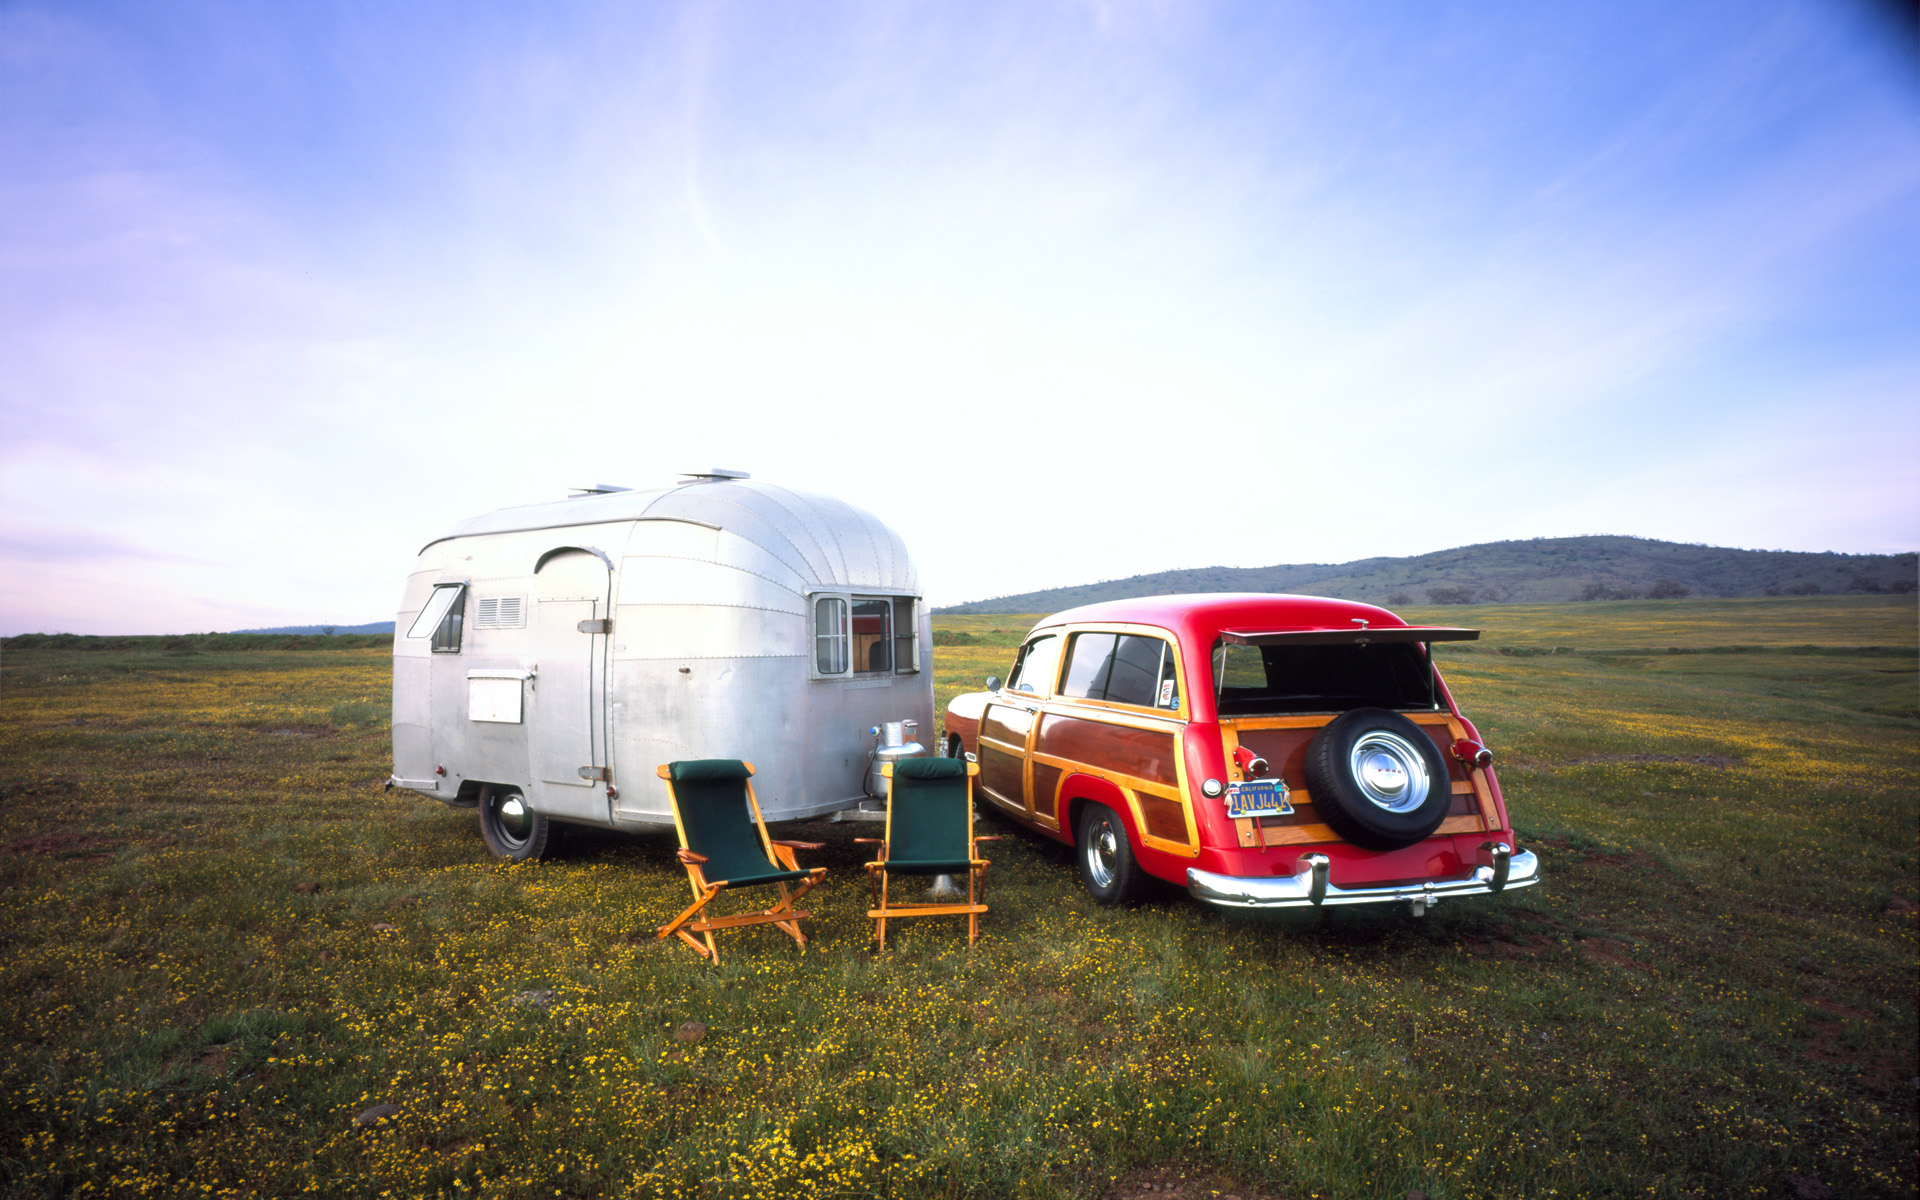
(1167, 691)
(1136, 669)
(1034, 672)
(1121, 668)
(1088, 663)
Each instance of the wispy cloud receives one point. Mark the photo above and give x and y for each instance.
(287, 292)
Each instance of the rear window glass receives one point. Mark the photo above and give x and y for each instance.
(1257, 680)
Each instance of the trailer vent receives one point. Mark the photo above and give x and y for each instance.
(501, 612)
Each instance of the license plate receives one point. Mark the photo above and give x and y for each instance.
(1259, 798)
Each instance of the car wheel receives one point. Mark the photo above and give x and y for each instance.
(511, 829)
(1107, 865)
(954, 747)
(1377, 779)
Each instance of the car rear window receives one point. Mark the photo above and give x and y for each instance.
(1259, 680)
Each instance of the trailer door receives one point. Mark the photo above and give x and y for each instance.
(566, 721)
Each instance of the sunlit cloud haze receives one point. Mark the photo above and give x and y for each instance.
(1060, 291)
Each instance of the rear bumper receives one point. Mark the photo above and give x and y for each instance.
(1497, 871)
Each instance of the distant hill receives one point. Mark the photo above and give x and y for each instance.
(1542, 570)
(369, 627)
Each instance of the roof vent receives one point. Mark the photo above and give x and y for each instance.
(716, 473)
(594, 489)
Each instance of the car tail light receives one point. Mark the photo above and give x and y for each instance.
(1473, 753)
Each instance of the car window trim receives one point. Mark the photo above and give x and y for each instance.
(1181, 713)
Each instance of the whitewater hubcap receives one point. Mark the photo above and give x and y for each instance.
(1103, 852)
(1390, 773)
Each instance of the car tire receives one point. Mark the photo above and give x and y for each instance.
(1108, 867)
(1377, 779)
(955, 748)
(511, 829)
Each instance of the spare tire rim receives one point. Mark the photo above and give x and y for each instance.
(1389, 771)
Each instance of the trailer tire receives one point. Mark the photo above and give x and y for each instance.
(512, 830)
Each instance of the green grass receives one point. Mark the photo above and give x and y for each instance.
(179, 1017)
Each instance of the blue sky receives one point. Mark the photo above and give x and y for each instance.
(1061, 291)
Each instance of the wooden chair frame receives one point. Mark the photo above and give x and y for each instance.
(886, 908)
(693, 919)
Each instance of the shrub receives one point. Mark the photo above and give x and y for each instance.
(1399, 598)
(1600, 591)
(1668, 589)
(1806, 587)
(1450, 594)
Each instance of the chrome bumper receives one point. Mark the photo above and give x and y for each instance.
(1497, 871)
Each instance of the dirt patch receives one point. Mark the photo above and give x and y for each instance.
(1824, 1045)
(1180, 1183)
(1611, 951)
(1839, 1010)
(1719, 762)
(1507, 943)
(61, 845)
(1633, 860)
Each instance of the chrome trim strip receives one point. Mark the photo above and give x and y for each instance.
(414, 785)
(1310, 886)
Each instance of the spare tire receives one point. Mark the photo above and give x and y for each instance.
(1377, 779)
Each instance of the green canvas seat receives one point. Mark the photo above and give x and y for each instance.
(724, 845)
(929, 832)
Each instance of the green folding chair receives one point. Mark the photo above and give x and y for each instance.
(929, 832)
(724, 845)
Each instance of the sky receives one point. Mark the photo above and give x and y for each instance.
(1062, 290)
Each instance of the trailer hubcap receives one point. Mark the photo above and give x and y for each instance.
(1390, 773)
(513, 816)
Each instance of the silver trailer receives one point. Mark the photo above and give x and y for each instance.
(547, 658)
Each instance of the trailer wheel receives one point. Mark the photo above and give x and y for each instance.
(511, 829)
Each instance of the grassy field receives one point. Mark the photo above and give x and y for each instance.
(225, 944)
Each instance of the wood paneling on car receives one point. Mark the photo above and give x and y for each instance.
(1046, 786)
(1003, 766)
(1142, 753)
(1286, 751)
(1163, 818)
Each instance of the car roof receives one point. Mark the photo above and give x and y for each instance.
(1198, 617)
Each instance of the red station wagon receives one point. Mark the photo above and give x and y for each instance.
(1261, 751)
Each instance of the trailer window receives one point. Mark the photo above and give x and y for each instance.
(830, 635)
(864, 635)
(441, 618)
(906, 657)
(872, 636)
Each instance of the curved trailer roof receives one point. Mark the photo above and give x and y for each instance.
(827, 542)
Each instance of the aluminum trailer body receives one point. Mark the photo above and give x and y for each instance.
(564, 650)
